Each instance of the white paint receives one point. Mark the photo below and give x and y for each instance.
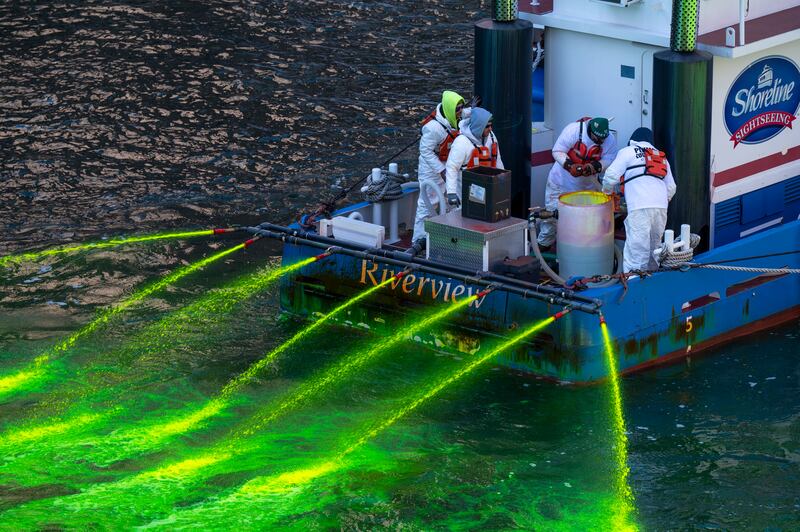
(761, 227)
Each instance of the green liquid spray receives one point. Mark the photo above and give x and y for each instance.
(37, 255)
(157, 433)
(170, 476)
(257, 488)
(624, 501)
(151, 341)
(38, 370)
(292, 479)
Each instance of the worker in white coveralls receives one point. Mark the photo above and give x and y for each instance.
(439, 131)
(475, 146)
(642, 174)
(583, 150)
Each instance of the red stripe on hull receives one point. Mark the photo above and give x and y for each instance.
(744, 330)
(753, 167)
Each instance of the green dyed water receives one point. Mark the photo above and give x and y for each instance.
(215, 112)
(410, 440)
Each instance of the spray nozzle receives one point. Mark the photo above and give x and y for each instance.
(601, 318)
(226, 230)
(328, 252)
(562, 313)
(408, 269)
(487, 290)
(252, 241)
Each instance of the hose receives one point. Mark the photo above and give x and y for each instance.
(536, 251)
(560, 280)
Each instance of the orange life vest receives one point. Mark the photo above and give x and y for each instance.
(655, 165)
(483, 155)
(579, 153)
(443, 149)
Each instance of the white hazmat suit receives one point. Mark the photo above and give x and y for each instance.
(647, 198)
(460, 155)
(560, 181)
(430, 168)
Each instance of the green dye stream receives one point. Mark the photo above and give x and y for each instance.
(212, 414)
(111, 243)
(20, 379)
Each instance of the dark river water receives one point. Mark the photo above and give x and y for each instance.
(128, 118)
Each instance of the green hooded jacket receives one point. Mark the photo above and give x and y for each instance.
(450, 101)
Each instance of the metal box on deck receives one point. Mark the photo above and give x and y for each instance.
(486, 194)
(474, 244)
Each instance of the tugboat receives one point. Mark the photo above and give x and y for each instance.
(721, 104)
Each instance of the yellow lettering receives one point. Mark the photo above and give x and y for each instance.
(408, 280)
(434, 291)
(457, 291)
(365, 272)
(446, 291)
(422, 281)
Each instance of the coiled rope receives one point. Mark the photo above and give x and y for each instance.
(386, 189)
(671, 259)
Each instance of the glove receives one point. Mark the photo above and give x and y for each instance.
(453, 201)
(475, 101)
(575, 170)
(594, 167)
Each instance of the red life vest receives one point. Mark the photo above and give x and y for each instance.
(443, 149)
(579, 153)
(483, 155)
(655, 165)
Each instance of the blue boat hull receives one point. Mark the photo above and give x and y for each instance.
(663, 317)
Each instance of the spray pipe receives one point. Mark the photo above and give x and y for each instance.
(527, 289)
(578, 303)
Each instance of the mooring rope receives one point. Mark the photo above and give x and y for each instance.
(669, 259)
(742, 268)
(386, 189)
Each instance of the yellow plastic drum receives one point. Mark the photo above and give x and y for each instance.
(585, 245)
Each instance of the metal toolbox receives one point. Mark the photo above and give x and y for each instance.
(472, 243)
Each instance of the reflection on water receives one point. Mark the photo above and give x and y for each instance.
(165, 114)
(137, 117)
